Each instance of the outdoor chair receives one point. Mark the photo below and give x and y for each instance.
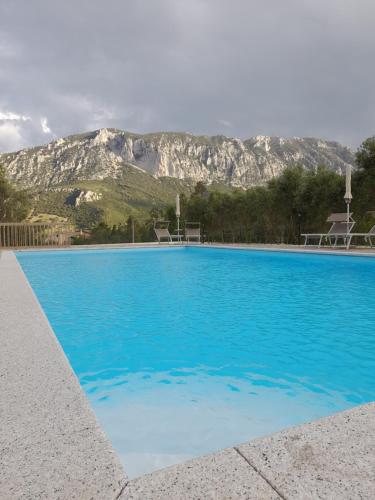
(366, 236)
(162, 233)
(192, 233)
(369, 235)
(339, 229)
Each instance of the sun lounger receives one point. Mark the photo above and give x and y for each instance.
(192, 233)
(367, 236)
(162, 233)
(339, 229)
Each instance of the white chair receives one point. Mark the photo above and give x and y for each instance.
(163, 232)
(367, 236)
(193, 233)
(340, 229)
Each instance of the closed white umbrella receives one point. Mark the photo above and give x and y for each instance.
(348, 193)
(178, 212)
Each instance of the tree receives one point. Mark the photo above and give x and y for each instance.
(364, 178)
(200, 188)
(287, 201)
(365, 157)
(323, 193)
(14, 204)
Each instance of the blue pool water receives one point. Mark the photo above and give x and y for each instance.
(183, 351)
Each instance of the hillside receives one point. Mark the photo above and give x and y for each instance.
(110, 174)
(133, 192)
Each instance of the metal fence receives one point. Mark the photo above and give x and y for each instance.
(19, 234)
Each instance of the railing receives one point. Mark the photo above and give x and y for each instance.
(19, 234)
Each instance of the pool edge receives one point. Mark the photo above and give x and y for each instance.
(300, 249)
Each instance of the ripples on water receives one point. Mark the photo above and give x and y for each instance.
(185, 351)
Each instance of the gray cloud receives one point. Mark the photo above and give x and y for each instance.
(239, 67)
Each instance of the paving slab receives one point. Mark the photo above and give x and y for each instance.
(33, 386)
(221, 476)
(51, 445)
(70, 467)
(330, 458)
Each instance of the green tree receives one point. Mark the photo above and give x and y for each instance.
(200, 188)
(364, 178)
(260, 223)
(287, 202)
(14, 204)
(365, 157)
(323, 193)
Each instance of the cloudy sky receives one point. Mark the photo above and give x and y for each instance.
(233, 67)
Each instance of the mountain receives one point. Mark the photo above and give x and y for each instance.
(103, 154)
(110, 174)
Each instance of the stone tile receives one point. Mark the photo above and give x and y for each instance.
(27, 420)
(330, 458)
(224, 475)
(77, 466)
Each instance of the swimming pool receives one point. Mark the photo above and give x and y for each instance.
(183, 351)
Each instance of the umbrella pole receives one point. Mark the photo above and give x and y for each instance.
(348, 199)
(178, 213)
(347, 221)
(347, 215)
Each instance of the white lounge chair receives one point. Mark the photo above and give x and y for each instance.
(367, 236)
(191, 232)
(339, 229)
(162, 233)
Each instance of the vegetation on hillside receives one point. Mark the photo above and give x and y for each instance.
(133, 194)
(14, 204)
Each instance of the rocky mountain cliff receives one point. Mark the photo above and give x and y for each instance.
(104, 153)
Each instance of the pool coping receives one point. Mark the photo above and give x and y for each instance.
(354, 252)
(53, 447)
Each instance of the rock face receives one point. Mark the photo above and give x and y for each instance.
(78, 196)
(103, 153)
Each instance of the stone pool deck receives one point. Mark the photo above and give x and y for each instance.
(52, 447)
